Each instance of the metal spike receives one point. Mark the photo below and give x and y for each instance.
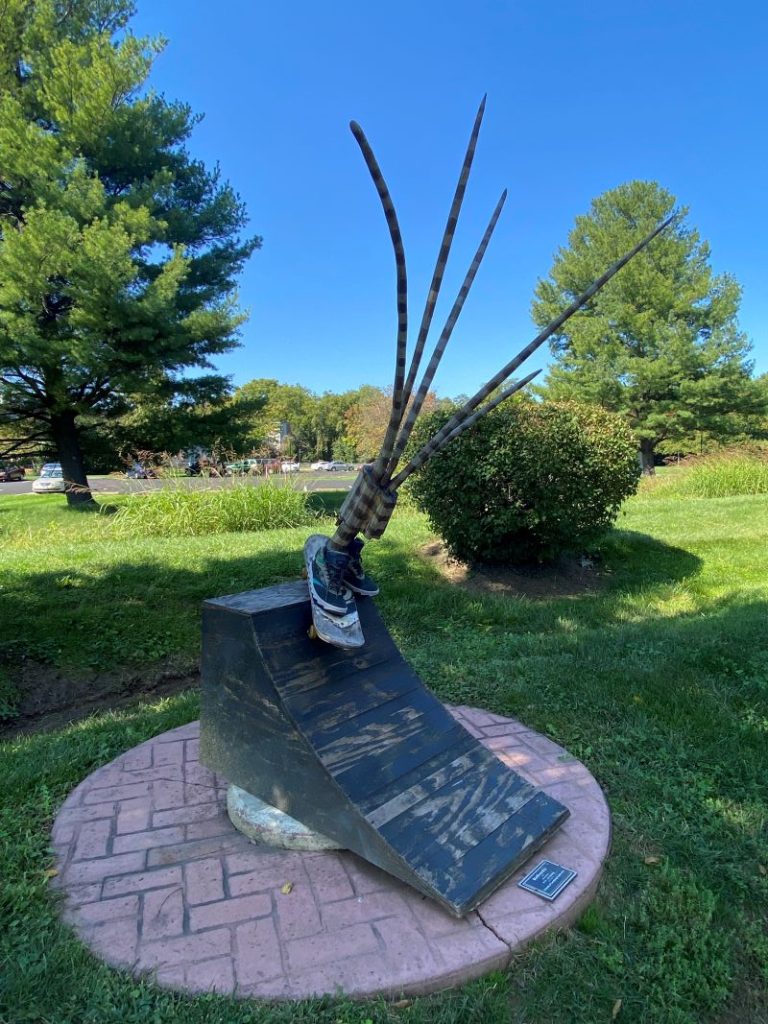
(402, 295)
(442, 256)
(437, 443)
(445, 337)
(539, 340)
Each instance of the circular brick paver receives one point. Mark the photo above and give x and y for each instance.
(158, 880)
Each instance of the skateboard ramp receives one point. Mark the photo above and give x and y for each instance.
(353, 744)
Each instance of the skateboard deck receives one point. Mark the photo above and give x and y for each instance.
(342, 631)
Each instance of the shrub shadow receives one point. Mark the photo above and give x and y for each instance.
(570, 575)
(628, 562)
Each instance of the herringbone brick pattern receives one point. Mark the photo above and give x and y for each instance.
(157, 880)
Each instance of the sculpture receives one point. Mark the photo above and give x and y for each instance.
(351, 742)
(334, 566)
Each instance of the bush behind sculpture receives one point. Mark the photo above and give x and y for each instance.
(528, 482)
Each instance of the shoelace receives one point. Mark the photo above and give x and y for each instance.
(355, 567)
(334, 572)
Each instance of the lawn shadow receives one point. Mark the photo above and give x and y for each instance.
(667, 710)
(627, 557)
(85, 641)
(628, 562)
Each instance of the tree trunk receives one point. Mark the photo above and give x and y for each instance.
(646, 457)
(65, 434)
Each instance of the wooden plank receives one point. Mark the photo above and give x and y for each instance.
(429, 784)
(371, 743)
(372, 771)
(295, 663)
(434, 758)
(459, 815)
(253, 602)
(501, 853)
(372, 724)
(344, 698)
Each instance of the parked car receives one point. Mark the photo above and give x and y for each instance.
(141, 472)
(242, 466)
(322, 464)
(290, 467)
(9, 474)
(338, 467)
(51, 479)
(260, 465)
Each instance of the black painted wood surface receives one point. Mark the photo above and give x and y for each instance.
(355, 746)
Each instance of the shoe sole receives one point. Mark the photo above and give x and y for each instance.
(362, 593)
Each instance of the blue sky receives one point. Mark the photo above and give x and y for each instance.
(581, 97)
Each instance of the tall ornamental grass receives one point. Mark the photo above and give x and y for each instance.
(723, 475)
(237, 507)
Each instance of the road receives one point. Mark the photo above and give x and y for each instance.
(117, 485)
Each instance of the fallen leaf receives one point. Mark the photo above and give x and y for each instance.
(285, 889)
(51, 873)
(402, 1004)
(762, 869)
(616, 1009)
(651, 860)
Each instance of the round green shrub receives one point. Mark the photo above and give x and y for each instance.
(528, 482)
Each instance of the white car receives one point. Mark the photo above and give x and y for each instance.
(323, 464)
(51, 479)
(290, 467)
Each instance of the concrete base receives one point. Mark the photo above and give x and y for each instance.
(159, 882)
(268, 825)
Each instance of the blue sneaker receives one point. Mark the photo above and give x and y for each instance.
(356, 577)
(326, 581)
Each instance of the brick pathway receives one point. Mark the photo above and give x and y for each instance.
(158, 880)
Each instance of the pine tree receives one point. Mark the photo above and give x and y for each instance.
(118, 250)
(660, 343)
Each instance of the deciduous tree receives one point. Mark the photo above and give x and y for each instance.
(312, 425)
(367, 419)
(282, 416)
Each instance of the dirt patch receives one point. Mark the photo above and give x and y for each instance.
(50, 699)
(568, 577)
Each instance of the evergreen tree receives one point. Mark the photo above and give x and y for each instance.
(660, 343)
(162, 425)
(118, 250)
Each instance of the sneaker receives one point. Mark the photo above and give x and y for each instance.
(356, 577)
(326, 581)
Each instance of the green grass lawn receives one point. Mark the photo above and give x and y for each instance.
(658, 681)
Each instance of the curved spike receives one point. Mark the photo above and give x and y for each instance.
(442, 256)
(445, 337)
(402, 292)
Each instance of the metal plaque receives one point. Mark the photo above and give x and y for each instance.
(547, 879)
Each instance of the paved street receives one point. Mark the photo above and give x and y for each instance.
(317, 481)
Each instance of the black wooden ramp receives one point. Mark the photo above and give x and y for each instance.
(354, 745)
